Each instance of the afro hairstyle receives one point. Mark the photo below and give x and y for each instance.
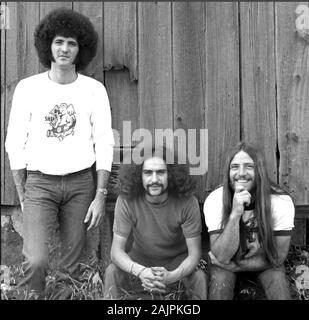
(67, 23)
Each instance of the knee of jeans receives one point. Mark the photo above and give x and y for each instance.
(220, 275)
(273, 276)
(278, 276)
(199, 276)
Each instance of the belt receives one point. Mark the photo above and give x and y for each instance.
(59, 175)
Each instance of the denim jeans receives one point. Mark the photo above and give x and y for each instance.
(273, 281)
(49, 199)
(118, 282)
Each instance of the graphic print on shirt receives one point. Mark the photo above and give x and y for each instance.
(62, 121)
(249, 242)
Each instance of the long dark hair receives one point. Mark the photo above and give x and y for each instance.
(180, 183)
(264, 187)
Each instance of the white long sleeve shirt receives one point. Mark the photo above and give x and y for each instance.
(59, 128)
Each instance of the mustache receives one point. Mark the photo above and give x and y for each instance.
(154, 185)
(242, 177)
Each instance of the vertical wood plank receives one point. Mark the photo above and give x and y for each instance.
(21, 62)
(120, 34)
(222, 86)
(3, 109)
(155, 65)
(258, 79)
(299, 232)
(189, 72)
(94, 11)
(120, 63)
(122, 93)
(46, 7)
(293, 101)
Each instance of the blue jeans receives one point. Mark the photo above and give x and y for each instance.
(49, 199)
(118, 282)
(273, 281)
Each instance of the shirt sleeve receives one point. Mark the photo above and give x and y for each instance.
(283, 212)
(122, 221)
(18, 128)
(191, 219)
(102, 132)
(212, 209)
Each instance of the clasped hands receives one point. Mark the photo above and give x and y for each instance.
(155, 279)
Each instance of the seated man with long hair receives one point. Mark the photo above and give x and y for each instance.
(157, 205)
(249, 220)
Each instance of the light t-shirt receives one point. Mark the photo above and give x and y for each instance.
(282, 210)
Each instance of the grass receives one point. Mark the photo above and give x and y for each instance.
(297, 259)
(88, 284)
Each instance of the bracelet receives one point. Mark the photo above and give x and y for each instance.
(103, 190)
(141, 271)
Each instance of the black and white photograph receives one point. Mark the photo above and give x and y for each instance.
(154, 151)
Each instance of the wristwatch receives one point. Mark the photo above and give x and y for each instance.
(103, 190)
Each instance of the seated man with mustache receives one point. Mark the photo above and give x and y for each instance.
(249, 220)
(156, 203)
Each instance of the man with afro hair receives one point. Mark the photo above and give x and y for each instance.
(59, 126)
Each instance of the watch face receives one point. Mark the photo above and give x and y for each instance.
(102, 190)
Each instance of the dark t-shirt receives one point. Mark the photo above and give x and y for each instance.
(159, 230)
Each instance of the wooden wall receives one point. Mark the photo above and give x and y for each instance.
(237, 69)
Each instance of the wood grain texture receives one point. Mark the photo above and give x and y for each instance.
(120, 37)
(47, 6)
(21, 62)
(189, 49)
(299, 232)
(94, 11)
(222, 86)
(123, 100)
(155, 65)
(258, 79)
(293, 101)
(3, 111)
(302, 211)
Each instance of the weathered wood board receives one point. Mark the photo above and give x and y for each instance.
(258, 87)
(120, 37)
(20, 62)
(155, 103)
(222, 85)
(95, 13)
(189, 52)
(292, 65)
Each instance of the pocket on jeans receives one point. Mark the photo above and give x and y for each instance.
(36, 186)
(85, 177)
